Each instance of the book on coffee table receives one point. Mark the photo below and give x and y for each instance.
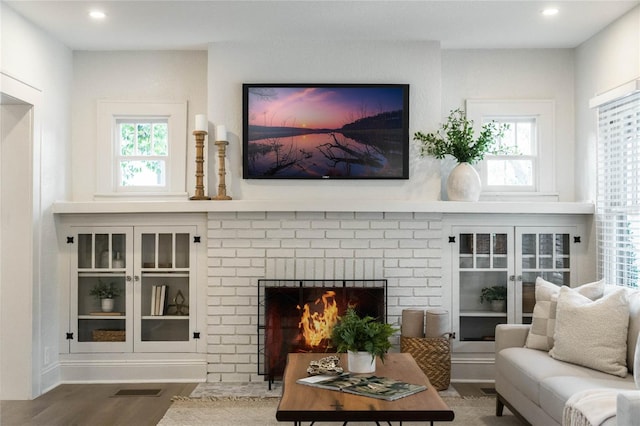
(372, 386)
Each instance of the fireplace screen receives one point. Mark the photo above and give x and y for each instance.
(298, 315)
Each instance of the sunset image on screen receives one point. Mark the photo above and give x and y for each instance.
(325, 131)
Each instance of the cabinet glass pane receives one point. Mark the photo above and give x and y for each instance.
(119, 251)
(182, 250)
(148, 250)
(529, 244)
(165, 251)
(165, 308)
(102, 255)
(562, 244)
(466, 243)
(481, 329)
(95, 322)
(546, 245)
(500, 244)
(529, 262)
(85, 250)
(483, 243)
(546, 262)
(471, 285)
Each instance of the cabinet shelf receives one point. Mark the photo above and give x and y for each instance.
(102, 317)
(98, 274)
(165, 317)
(165, 274)
(485, 314)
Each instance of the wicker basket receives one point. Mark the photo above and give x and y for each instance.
(433, 356)
(109, 335)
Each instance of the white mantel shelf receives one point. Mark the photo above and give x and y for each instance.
(481, 207)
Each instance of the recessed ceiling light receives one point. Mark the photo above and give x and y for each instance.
(97, 14)
(550, 11)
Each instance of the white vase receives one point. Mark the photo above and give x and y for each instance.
(464, 183)
(498, 305)
(106, 305)
(361, 362)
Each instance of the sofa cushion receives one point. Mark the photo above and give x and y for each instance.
(544, 312)
(592, 333)
(527, 368)
(634, 321)
(555, 391)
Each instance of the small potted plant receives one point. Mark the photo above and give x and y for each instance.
(105, 293)
(496, 296)
(456, 138)
(363, 338)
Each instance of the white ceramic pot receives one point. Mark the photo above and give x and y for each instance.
(106, 305)
(498, 305)
(464, 183)
(361, 362)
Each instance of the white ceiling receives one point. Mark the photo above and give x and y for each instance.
(147, 24)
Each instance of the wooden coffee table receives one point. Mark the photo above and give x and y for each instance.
(302, 403)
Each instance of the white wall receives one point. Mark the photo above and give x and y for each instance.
(518, 74)
(609, 59)
(140, 76)
(30, 56)
(415, 63)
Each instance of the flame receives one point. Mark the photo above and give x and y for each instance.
(316, 326)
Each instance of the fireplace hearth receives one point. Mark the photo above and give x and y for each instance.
(297, 316)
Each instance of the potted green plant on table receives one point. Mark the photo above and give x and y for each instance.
(456, 138)
(496, 296)
(105, 293)
(363, 338)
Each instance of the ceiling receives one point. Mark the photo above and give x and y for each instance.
(147, 24)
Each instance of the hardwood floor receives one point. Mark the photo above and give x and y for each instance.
(94, 405)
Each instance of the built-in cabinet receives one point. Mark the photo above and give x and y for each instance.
(154, 326)
(511, 257)
(152, 273)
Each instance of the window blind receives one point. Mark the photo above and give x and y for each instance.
(618, 191)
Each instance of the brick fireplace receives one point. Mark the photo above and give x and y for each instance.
(402, 248)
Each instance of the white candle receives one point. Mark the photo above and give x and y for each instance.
(201, 122)
(221, 132)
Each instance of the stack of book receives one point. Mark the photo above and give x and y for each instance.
(158, 299)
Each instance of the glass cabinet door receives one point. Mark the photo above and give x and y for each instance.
(545, 253)
(101, 293)
(164, 288)
(483, 265)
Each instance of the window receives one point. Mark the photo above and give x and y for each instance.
(142, 153)
(514, 171)
(530, 170)
(618, 192)
(141, 149)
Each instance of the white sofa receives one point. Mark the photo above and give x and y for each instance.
(535, 386)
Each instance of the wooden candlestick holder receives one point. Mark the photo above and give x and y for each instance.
(222, 187)
(199, 195)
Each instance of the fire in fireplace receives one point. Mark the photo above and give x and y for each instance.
(298, 315)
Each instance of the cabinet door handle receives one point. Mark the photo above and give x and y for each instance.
(512, 277)
(136, 278)
(129, 278)
(519, 278)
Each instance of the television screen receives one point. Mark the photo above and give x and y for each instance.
(325, 131)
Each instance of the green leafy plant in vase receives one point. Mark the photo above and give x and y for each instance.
(496, 296)
(105, 293)
(456, 138)
(365, 335)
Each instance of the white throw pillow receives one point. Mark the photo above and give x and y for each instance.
(543, 322)
(592, 333)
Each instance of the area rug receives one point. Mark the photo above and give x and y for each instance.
(261, 411)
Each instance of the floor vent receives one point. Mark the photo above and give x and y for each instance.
(138, 392)
(488, 391)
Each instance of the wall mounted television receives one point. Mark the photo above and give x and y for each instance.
(325, 131)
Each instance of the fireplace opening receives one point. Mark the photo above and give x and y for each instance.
(298, 315)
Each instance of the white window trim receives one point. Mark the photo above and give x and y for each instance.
(543, 111)
(108, 113)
